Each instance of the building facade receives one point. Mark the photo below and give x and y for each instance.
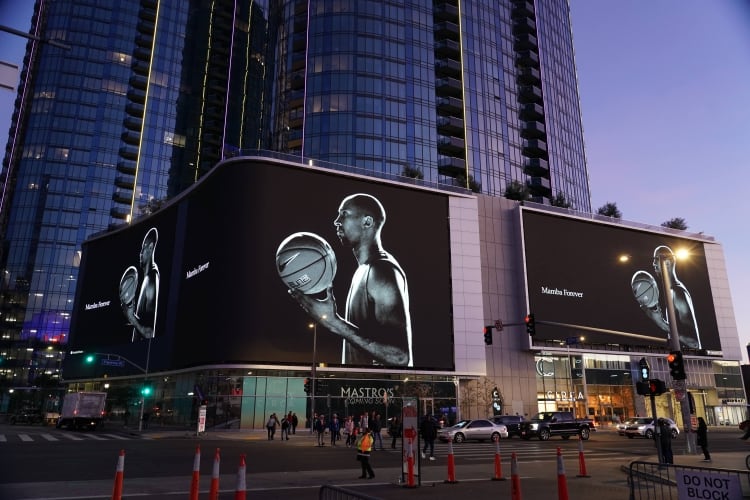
(229, 336)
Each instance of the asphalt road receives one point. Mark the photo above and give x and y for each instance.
(46, 463)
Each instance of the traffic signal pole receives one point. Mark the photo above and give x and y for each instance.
(680, 386)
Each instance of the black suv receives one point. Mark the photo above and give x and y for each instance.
(512, 422)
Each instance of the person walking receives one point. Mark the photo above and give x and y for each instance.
(295, 423)
(703, 439)
(665, 440)
(335, 429)
(377, 427)
(349, 430)
(429, 433)
(285, 429)
(271, 426)
(320, 429)
(364, 447)
(395, 430)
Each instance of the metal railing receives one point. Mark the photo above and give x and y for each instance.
(331, 492)
(655, 481)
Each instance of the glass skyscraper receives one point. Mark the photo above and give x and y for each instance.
(153, 93)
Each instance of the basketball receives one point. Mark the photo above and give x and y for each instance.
(645, 290)
(128, 285)
(306, 262)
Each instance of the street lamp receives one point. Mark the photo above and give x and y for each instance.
(568, 342)
(314, 327)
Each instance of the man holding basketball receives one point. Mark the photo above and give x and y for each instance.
(376, 329)
(141, 313)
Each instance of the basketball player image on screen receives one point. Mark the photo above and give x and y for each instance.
(646, 291)
(376, 327)
(139, 303)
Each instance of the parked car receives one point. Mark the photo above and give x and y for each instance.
(479, 430)
(644, 427)
(512, 422)
(29, 416)
(556, 423)
(624, 425)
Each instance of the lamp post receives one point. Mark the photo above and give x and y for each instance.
(571, 396)
(674, 344)
(145, 380)
(314, 327)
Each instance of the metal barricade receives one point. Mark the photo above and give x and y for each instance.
(655, 481)
(331, 492)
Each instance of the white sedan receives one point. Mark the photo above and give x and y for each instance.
(479, 430)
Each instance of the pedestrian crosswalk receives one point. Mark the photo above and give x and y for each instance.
(31, 437)
(525, 451)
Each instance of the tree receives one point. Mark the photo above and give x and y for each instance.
(676, 223)
(610, 210)
(474, 186)
(476, 398)
(559, 200)
(517, 191)
(412, 172)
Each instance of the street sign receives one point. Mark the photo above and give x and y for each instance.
(571, 340)
(113, 362)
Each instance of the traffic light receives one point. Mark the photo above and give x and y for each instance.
(644, 370)
(530, 324)
(676, 365)
(488, 334)
(308, 386)
(643, 388)
(656, 387)
(146, 390)
(89, 359)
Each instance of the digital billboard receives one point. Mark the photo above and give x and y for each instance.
(606, 282)
(230, 293)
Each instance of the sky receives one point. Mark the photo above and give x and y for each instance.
(665, 95)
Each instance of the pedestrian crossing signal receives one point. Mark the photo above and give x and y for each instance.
(530, 324)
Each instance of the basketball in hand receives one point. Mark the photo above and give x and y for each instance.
(306, 262)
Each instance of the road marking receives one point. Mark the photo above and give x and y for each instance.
(3, 439)
(115, 436)
(96, 438)
(72, 437)
(25, 437)
(49, 437)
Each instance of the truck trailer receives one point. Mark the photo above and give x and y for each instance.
(82, 410)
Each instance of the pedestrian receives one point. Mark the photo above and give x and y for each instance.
(320, 428)
(665, 440)
(144, 420)
(349, 430)
(394, 428)
(285, 429)
(377, 426)
(271, 426)
(295, 423)
(703, 439)
(364, 447)
(429, 433)
(125, 418)
(335, 429)
(363, 424)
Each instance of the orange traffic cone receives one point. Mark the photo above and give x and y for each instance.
(240, 491)
(498, 463)
(213, 493)
(562, 481)
(515, 479)
(451, 465)
(117, 489)
(194, 488)
(581, 460)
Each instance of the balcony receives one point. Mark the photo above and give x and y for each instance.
(123, 197)
(138, 81)
(529, 94)
(534, 148)
(119, 213)
(526, 41)
(451, 166)
(536, 167)
(531, 111)
(446, 29)
(450, 125)
(448, 48)
(129, 153)
(527, 58)
(144, 40)
(133, 123)
(447, 67)
(539, 185)
(450, 144)
(450, 105)
(448, 87)
(533, 130)
(147, 15)
(137, 95)
(524, 25)
(523, 9)
(126, 166)
(446, 12)
(131, 137)
(528, 75)
(299, 41)
(124, 182)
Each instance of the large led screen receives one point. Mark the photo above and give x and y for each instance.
(383, 249)
(607, 283)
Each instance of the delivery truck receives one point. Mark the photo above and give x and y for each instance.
(82, 410)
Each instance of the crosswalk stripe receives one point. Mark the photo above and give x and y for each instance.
(49, 437)
(95, 437)
(71, 437)
(3, 439)
(25, 437)
(115, 436)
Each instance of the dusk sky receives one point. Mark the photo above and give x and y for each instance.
(665, 93)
